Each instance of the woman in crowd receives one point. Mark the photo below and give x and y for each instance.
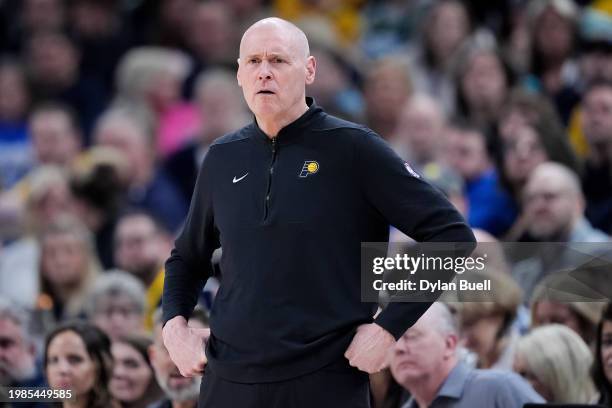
(133, 381)
(78, 358)
(602, 366)
(68, 266)
(486, 320)
(117, 304)
(483, 82)
(582, 317)
(556, 361)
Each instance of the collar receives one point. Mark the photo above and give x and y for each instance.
(454, 384)
(293, 129)
(452, 387)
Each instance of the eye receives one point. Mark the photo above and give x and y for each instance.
(253, 60)
(278, 60)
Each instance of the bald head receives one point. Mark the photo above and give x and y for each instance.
(558, 175)
(296, 39)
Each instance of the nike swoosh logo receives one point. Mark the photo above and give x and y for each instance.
(235, 180)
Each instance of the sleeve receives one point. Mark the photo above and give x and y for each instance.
(189, 264)
(411, 205)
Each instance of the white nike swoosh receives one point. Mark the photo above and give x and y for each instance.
(235, 180)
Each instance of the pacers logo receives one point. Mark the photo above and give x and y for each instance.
(309, 167)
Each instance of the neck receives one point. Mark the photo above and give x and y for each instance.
(184, 404)
(425, 390)
(271, 126)
(78, 402)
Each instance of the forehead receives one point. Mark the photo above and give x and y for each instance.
(269, 39)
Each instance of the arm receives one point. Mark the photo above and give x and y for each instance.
(413, 206)
(187, 270)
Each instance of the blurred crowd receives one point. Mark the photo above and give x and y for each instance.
(107, 108)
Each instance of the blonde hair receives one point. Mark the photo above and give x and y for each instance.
(139, 68)
(560, 360)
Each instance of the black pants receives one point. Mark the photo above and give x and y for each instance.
(337, 385)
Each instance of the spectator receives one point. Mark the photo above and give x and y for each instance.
(179, 391)
(490, 207)
(133, 382)
(116, 304)
(15, 149)
(486, 320)
(581, 317)
(149, 188)
(209, 37)
(55, 134)
(602, 366)
(387, 87)
(37, 202)
(425, 361)
(553, 209)
(597, 128)
(53, 60)
(335, 87)
(528, 145)
(98, 182)
(151, 79)
(222, 109)
(102, 35)
(68, 267)
(553, 38)
(31, 16)
(556, 362)
(483, 83)
(78, 357)
(141, 248)
(444, 30)
(18, 351)
(419, 135)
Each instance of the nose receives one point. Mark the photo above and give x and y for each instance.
(265, 73)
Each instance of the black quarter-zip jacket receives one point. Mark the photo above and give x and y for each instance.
(290, 214)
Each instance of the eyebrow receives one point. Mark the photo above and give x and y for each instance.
(270, 55)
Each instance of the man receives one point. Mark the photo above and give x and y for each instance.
(420, 131)
(490, 207)
(290, 198)
(55, 134)
(18, 367)
(180, 392)
(597, 179)
(425, 362)
(141, 245)
(553, 207)
(149, 187)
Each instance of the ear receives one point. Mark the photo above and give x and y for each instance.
(238, 73)
(311, 67)
(451, 342)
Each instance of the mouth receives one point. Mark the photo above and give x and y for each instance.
(265, 92)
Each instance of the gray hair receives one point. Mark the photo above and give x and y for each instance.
(115, 283)
(18, 315)
(446, 323)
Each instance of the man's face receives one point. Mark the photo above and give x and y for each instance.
(16, 354)
(138, 246)
(550, 207)
(466, 153)
(175, 386)
(597, 115)
(55, 140)
(420, 352)
(273, 71)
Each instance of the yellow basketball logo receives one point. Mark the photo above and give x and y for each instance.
(309, 167)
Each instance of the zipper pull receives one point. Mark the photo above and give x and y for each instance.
(274, 144)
